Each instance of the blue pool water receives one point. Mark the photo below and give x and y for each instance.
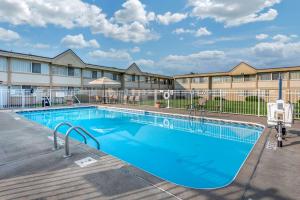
(191, 153)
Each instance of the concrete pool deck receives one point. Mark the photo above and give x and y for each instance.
(29, 169)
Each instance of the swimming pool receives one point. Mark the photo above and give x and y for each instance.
(202, 154)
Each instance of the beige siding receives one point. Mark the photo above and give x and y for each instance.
(134, 85)
(294, 84)
(244, 85)
(221, 85)
(3, 77)
(66, 81)
(270, 84)
(31, 79)
(144, 86)
(199, 85)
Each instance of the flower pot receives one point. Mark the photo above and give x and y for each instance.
(157, 105)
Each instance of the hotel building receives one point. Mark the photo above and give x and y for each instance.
(68, 71)
(241, 77)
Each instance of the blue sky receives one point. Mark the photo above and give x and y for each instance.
(169, 37)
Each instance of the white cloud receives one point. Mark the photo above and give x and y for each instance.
(281, 49)
(182, 31)
(8, 35)
(36, 46)
(135, 50)
(133, 11)
(169, 18)
(112, 54)
(76, 13)
(202, 32)
(78, 42)
(281, 38)
(234, 12)
(261, 36)
(145, 62)
(195, 57)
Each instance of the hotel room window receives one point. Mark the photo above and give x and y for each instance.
(71, 71)
(195, 80)
(265, 76)
(275, 75)
(295, 75)
(133, 78)
(87, 74)
(248, 78)
(3, 64)
(203, 79)
(142, 79)
(237, 79)
(115, 77)
(94, 74)
(36, 68)
(22, 66)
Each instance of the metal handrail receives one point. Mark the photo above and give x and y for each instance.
(79, 102)
(56, 130)
(67, 150)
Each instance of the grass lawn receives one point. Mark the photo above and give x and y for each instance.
(242, 107)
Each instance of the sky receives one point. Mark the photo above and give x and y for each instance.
(169, 37)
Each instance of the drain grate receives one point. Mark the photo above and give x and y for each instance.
(271, 145)
(85, 161)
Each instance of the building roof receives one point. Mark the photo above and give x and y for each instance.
(70, 58)
(240, 69)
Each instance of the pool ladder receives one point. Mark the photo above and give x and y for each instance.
(78, 130)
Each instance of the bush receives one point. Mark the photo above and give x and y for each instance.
(253, 98)
(219, 98)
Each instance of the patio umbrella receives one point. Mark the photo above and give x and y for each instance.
(104, 81)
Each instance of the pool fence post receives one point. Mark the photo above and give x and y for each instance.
(155, 97)
(50, 97)
(220, 100)
(23, 97)
(258, 102)
(191, 91)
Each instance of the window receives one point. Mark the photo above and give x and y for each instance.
(265, 76)
(237, 79)
(36, 68)
(275, 75)
(221, 79)
(94, 74)
(87, 74)
(249, 78)
(295, 75)
(3, 64)
(23, 66)
(142, 79)
(115, 77)
(60, 71)
(71, 71)
(108, 75)
(200, 80)
(132, 78)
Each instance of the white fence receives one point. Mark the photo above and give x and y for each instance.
(246, 102)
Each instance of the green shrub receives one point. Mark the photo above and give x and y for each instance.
(219, 98)
(253, 98)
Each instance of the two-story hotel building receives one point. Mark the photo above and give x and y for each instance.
(68, 71)
(241, 77)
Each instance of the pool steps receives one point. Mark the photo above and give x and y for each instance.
(78, 130)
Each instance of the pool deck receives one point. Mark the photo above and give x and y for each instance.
(30, 169)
